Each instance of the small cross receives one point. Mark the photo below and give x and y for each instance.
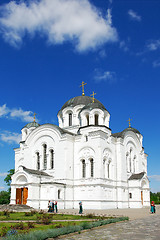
(35, 116)
(93, 96)
(82, 86)
(129, 120)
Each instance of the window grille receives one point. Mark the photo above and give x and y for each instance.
(70, 119)
(83, 169)
(38, 161)
(52, 158)
(45, 156)
(92, 167)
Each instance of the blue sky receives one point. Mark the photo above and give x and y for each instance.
(48, 47)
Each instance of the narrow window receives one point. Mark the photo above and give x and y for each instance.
(83, 169)
(92, 169)
(104, 168)
(45, 156)
(70, 119)
(52, 158)
(38, 161)
(130, 163)
(96, 119)
(87, 117)
(59, 193)
(108, 169)
(86, 138)
(130, 195)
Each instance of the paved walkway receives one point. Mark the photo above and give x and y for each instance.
(146, 228)
(132, 213)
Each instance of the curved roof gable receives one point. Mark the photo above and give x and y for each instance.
(121, 134)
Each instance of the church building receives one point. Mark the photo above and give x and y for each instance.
(80, 160)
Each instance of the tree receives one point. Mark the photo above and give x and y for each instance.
(8, 178)
(4, 197)
(155, 197)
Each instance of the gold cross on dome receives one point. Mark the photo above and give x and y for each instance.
(34, 116)
(82, 86)
(129, 121)
(93, 94)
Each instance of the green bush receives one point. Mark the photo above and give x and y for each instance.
(6, 213)
(44, 219)
(30, 225)
(3, 232)
(19, 226)
(31, 213)
(90, 215)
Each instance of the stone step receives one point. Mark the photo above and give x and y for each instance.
(16, 207)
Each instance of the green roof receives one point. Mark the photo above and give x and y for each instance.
(32, 124)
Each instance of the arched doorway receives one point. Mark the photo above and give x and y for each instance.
(21, 193)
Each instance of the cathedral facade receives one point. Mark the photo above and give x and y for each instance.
(80, 160)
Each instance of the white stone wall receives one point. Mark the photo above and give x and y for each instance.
(114, 161)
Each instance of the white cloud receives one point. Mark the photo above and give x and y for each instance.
(156, 63)
(3, 174)
(155, 177)
(10, 137)
(3, 110)
(23, 115)
(134, 16)
(58, 21)
(1, 188)
(106, 76)
(26, 116)
(153, 45)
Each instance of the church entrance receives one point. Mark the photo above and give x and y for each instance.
(21, 195)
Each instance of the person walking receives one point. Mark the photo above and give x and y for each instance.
(153, 209)
(80, 208)
(55, 204)
(52, 206)
(49, 206)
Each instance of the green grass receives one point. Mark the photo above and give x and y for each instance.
(53, 229)
(40, 226)
(52, 232)
(21, 216)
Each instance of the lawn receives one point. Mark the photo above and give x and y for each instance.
(35, 226)
(33, 216)
(45, 224)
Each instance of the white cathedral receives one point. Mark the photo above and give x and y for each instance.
(80, 160)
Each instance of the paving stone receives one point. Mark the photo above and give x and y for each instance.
(146, 228)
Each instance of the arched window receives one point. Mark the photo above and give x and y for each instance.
(108, 170)
(92, 167)
(87, 118)
(38, 161)
(59, 193)
(104, 168)
(52, 158)
(70, 119)
(45, 156)
(96, 119)
(83, 169)
(129, 159)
